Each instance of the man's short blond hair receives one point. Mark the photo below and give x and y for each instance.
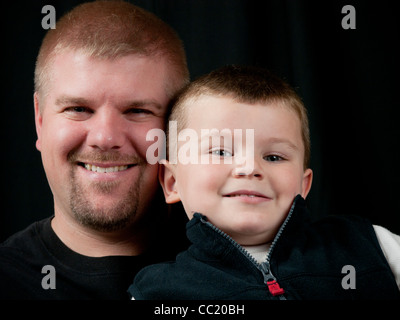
(109, 30)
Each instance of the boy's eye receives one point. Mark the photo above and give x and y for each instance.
(273, 158)
(221, 153)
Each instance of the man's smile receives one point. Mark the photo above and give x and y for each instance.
(105, 162)
(105, 168)
(107, 171)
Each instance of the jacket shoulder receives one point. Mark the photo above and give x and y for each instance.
(310, 260)
(159, 281)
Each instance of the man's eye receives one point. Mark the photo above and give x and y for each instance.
(273, 158)
(221, 153)
(77, 109)
(138, 110)
(80, 109)
(78, 113)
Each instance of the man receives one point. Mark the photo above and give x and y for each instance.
(103, 78)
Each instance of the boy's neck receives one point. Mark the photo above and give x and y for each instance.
(259, 252)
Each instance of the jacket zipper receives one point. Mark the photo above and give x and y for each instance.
(269, 279)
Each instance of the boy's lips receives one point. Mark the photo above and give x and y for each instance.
(247, 193)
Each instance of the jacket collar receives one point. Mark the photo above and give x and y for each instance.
(210, 240)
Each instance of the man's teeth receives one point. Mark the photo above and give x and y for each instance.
(94, 168)
(244, 195)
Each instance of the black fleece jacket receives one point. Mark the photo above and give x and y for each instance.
(305, 261)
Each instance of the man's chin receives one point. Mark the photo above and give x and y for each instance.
(105, 188)
(105, 219)
(103, 224)
(104, 210)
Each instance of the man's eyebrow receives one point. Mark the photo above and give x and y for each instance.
(71, 100)
(144, 103)
(80, 101)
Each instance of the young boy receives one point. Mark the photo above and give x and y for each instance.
(250, 235)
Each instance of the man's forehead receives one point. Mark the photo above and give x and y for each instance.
(139, 79)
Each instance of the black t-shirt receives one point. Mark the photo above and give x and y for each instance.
(35, 264)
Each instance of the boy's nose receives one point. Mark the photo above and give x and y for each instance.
(247, 171)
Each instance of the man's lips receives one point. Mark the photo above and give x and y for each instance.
(105, 167)
(107, 162)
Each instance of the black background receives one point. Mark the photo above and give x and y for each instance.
(348, 79)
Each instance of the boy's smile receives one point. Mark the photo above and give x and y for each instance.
(247, 196)
(248, 203)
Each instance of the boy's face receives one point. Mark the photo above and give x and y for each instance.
(247, 202)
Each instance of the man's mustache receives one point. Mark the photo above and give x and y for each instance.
(106, 157)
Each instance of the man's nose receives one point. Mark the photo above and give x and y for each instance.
(106, 131)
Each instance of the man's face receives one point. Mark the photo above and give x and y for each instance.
(92, 136)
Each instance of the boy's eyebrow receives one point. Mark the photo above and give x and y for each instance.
(290, 144)
(272, 140)
(216, 133)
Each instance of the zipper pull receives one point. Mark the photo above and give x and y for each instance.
(274, 288)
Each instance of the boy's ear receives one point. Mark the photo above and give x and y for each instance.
(307, 182)
(38, 120)
(168, 182)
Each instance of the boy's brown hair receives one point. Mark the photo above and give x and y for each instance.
(244, 84)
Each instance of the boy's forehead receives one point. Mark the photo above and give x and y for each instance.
(201, 104)
(209, 107)
(270, 120)
(210, 98)
(275, 121)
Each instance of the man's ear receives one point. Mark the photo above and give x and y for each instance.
(38, 120)
(167, 180)
(307, 182)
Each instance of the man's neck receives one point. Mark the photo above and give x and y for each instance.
(92, 243)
